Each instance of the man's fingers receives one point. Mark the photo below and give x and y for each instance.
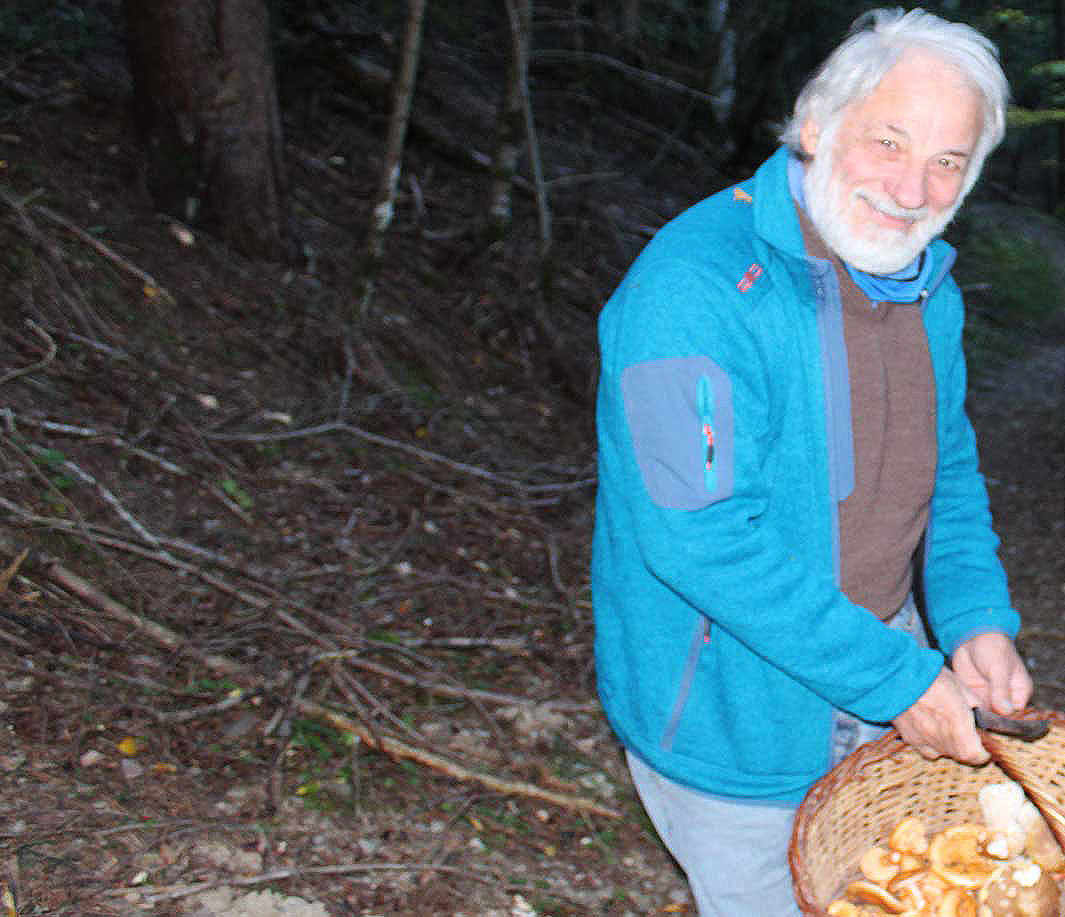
(927, 751)
(1003, 703)
(970, 697)
(989, 665)
(1011, 690)
(1000, 676)
(1020, 689)
(941, 722)
(968, 746)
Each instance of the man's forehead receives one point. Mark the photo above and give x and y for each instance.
(923, 92)
(923, 74)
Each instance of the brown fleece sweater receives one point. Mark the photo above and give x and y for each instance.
(894, 423)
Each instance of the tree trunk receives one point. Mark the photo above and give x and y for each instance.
(205, 102)
(508, 136)
(519, 17)
(630, 20)
(397, 128)
(1059, 54)
(722, 82)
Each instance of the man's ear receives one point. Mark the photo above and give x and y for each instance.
(809, 135)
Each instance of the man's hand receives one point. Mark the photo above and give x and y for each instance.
(990, 669)
(941, 722)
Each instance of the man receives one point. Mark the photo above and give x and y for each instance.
(785, 463)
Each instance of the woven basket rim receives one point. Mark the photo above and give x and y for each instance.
(850, 768)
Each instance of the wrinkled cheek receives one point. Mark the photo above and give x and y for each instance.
(860, 217)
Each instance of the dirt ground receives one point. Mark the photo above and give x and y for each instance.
(232, 524)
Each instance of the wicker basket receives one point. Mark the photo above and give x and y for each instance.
(858, 803)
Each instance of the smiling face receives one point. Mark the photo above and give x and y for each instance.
(888, 176)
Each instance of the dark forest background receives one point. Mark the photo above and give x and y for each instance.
(297, 455)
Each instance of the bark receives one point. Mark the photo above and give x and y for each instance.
(723, 73)
(1059, 54)
(519, 17)
(630, 20)
(508, 137)
(205, 102)
(397, 128)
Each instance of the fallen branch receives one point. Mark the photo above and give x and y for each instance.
(375, 438)
(27, 649)
(111, 539)
(98, 435)
(155, 894)
(61, 281)
(166, 638)
(11, 571)
(105, 493)
(234, 698)
(449, 768)
(323, 429)
(40, 364)
(222, 665)
(150, 283)
(354, 657)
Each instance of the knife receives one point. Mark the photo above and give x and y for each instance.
(1028, 730)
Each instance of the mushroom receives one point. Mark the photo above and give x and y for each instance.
(1016, 827)
(1000, 804)
(879, 865)
(844, 908)
(1040, 843)
(869, 893)
(957, 902)
(909, 836)
(910, 889)
(1020, 889)
(959, 855)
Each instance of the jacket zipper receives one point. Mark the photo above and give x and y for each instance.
(699, 639)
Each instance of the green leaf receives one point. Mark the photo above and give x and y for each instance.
(1034, 117)
(237, 493)
(1049, 69)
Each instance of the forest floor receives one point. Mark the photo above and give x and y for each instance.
(235, 525)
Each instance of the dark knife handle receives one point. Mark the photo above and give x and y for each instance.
(1028, 730)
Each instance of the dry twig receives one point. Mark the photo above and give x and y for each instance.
(374, 739)
(40, 364)
(12, 569)
(399, 446)
(155, 894)
(150, 283)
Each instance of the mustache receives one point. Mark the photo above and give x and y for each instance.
(888, 207)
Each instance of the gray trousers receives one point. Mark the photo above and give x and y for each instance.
(735, 853)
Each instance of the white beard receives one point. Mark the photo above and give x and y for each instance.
(880, 249)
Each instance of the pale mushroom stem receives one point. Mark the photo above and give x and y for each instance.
(1047, 804)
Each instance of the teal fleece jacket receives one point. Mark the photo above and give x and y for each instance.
(723, 643)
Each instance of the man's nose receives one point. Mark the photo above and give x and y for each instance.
(908, 187)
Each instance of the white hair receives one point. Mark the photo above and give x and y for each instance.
(876, 42)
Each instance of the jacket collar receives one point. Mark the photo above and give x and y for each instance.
(775, 219)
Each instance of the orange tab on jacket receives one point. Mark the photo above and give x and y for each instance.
(747, 280)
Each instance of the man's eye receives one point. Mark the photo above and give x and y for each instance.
(951, 165)
(888, 144)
